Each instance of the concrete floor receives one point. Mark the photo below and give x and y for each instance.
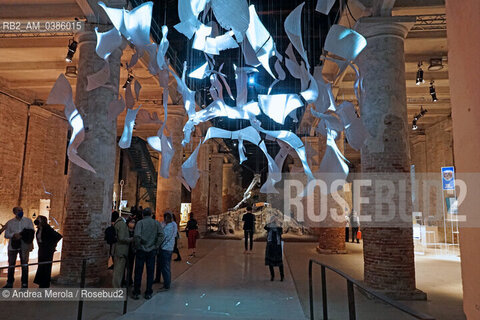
(221, 282)
(226, 284)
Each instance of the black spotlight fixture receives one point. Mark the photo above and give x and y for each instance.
(436, 64)
(417, 117)
(72, 47)
(433, 93)
(128, 81)
(420, 79)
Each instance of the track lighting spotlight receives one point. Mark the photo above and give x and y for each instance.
(435, 64)
(433, 93)
(72, 47)
(128, 81)
(420, 79)
(417, 117)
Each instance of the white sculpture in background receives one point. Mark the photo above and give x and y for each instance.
(248, 193)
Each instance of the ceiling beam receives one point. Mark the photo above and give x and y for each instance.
(32, 42)
(57, 11)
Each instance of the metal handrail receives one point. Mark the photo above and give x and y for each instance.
(82, 280)
(351, 294)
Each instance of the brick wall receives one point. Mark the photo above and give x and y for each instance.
(43, 174)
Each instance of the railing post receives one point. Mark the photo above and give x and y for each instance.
(310, 289)
(324, 293)
(351, 300)
(82, 285)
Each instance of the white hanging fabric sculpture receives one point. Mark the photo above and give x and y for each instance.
(61, 93)
(250, 134)
(354, 127)
(279, 106)
(260, 40)
(190, 172)
(232, 15)
(126, 138)
(107, 42)
(293, 28)
(344, 42)
(333, 166)
(134, 25)
(324, 6)
(188, 11)
(162, 49)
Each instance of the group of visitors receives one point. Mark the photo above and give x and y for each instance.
(142, 241)
(274, 248)
(21, 235)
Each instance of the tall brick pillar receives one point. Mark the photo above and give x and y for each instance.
(331, 233)
(216, 182)
(388, 244)
(169, 191)
(200, 192)
(89, 195)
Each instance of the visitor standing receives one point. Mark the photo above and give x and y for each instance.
(21, 233)
(248, 228)
(347, 228)
(177, 237)
(131, 251)
(355, 225)
(170, 230)
(148, 236)
(120, 251)
(192, 234)
(47, 240)
(273, 251)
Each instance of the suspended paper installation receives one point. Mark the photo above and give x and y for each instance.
(258, 47)
(260, 40)
(293, 28)
(190, 172)
(107, 42)
(61, 93)
(324, 6)
(126, 138)
(134, 25)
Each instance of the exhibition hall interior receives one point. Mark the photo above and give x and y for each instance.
(239, 159)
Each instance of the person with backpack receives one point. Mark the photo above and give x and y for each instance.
(111, 236)
(120, 252)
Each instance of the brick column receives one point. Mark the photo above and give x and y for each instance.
(89, 195)
(216, 182)
(331, 234)
(388, 245)
(199, 196)
(169, 191)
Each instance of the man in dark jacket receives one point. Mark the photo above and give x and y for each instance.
(148, 236)
(248, 228)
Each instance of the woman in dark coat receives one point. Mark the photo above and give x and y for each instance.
(47, 240)
(273, 252)
(192, 234)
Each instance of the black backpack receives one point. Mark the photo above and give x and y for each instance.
(110, 235)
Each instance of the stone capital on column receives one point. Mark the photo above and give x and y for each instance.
(398, 26)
